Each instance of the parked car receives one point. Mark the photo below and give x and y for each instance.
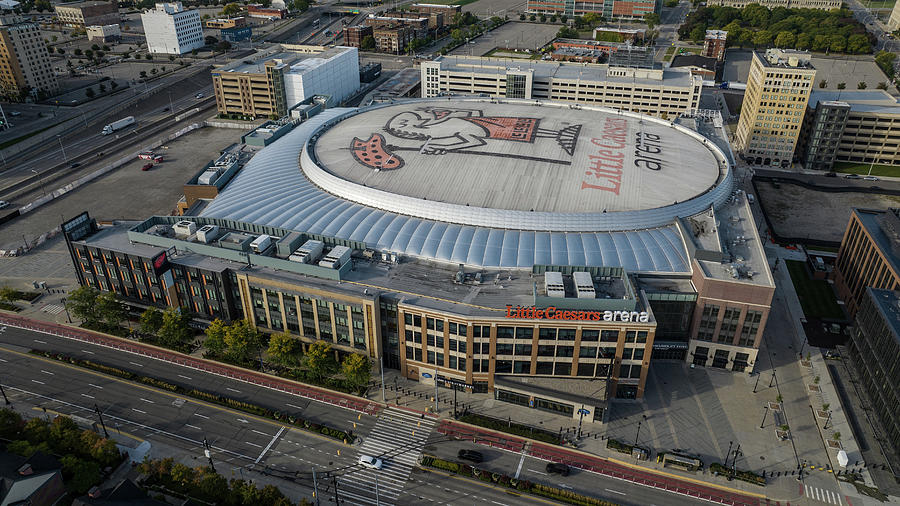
(198, 95)
(4, 204)
(147, 167)
(370, 462)
(146, 155)
(471, 455)
(870, 178)
(557, 468)
(852, 176)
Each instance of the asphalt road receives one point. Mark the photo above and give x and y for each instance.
(238, 440)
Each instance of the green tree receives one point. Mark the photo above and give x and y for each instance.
(823, 83)
(553, 18)
(543, 18)
(77, 51)
(532, 17)
(319, 359)
(300, 5)
(95, 47)
(368, 43)
(804, 40)
(357, 369)
(785, 40)
(563, 19)
(65, 436)
(861, 85)
(698, 34)
(8, 294)
(567, 33)
(858, 44)
(89, 53)
(240, 338)
(151, 321)
(81, 474)
(182, 475)
(175, 331)
(819, 43)
(60, 50)
(885, 60)
(837, 43)
(171, 57)
(284, 349)
(110, 308)
(882, 85)
(231, 9)
(36, 430)
(762, 38)
(82, 303)
(755, 15)
(223, 45)
(841, 86)
(11, 423)
(148, 57)
(522, 17)
(652, 19)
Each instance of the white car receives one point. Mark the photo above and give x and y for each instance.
(370, 462)
(4, 204)
(870, 178)
(198, 95)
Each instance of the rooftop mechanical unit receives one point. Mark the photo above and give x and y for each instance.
(261, 244)
(334, 259)
(208, 234)
(185, 228)
(308, 253)
(553, 284)
(584, 285)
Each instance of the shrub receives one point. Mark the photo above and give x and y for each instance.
(511, 428)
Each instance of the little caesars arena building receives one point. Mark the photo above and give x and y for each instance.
(543, 252)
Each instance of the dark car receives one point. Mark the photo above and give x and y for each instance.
(557, 468)
(147, 167)
(471, 455)
(852, 176)
(830, 174)
(74, 165)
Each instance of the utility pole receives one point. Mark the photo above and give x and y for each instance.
(728, 452)
(100, 416)
(766, 412)
(4, 395)
(337, 499)
(208, 453)
(315, 487)
(435, 391)
(737, 451)
(381, 363)
(377, 502)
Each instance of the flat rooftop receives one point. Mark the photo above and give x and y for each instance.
(874, 101)
(515, 156)
(549, 70)
(298, 61)
(888, 302)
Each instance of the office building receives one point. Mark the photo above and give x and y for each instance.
(634, 9)
(170, 29)
(414, 254)
(354, 35)
(269, 85)
(825, 5)
(660, 92)
(714, 44)
(393, 39)
(83, 14)
(869, 256)
(447, 10)
(856, 126)
(705, 67)
(419, 24)
(105, 33)
(24, 61)
(778, 90)
(225, 22)
(874, 349)
(236, 34)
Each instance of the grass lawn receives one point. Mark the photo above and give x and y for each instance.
(879, 4)
(863, 168)
(816, 296)
(669, 53)
(690, 50)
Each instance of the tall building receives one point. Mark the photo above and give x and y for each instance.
(83, 14)
(874, 349)
(270, 85)
(170, 29)
(379, 231)
(894, 21)
(856, 126)
(825, 5)
(869, 256)
(627, 9)
(714, 44)
(24, 60)
(778, 90)
(659, 92)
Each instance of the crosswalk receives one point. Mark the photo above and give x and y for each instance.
(823, 495)
(52, 308)
(397, 438)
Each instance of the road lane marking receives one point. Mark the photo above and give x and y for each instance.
(201, 416)
(233, 390)
(88, 352)
(295, 407)
(139, 411)
(38, 382)
(47, 372)
(253, 444)
(147, 400)
(521, 461)
(192, 426)
(259, 432)
(39, 341)
(88, 396)
(268, 446)
(538, 472)
(95, 386)
(3, 360)
(135, 363)
(614, 491)
(242, 420)
(183, 376)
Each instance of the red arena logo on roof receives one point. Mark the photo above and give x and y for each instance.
(554, 313)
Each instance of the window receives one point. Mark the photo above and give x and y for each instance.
(505, 332)
(642, 336)
(430, 357)
(587, 352)
(523, 350)
(563, 369)
(585, 369)
(461, 347)
(545, 350)
(430, 340)
(590, 335)
(524, 332)
(565, 351)
(566, 335)
(546, 333)
(504, 349)
(544, 368)
(503, 366)
(638, 354)
(521, 367)
(609, 336)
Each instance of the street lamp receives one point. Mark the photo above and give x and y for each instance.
(4, 395)
(41, 179)
(644, 418)
(59, 138)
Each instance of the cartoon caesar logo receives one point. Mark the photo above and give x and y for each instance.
(439, 131)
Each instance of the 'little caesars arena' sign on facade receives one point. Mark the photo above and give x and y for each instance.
(553, 313)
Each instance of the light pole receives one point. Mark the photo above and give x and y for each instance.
(381, 363)
(644, 417)
(100, 416)
(728, 452)
(208, 454)
(5, 399)
(757, 383)
(59, 138)
(41, 179)
(68, 318)
(766, 412)
(773, 378)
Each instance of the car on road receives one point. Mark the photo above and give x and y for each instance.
(557, 468)
(830, 174)
(15, 113)
(852, 176)
(4, 204)
(74, 165)
(870, 178)
(370, 462)
(198, 95)
(165, 109)
(147, 167)
(471, 455)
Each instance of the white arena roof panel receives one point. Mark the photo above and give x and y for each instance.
(518, 157)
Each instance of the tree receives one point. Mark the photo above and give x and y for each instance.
(858, 44)
(652, 19)
(368, 43)
(231, 9)
(567, 33)
(762, 38)
(785, 40)
(106, 48)
(81, 474)
(885, 60)
(239, 340)
(81, 302)
(110, 309)
(144, 74)
(151, 319)
(823, 83)
(522, 17)
(563, 19)
(861, 85)
(175, 331)
(11, 423)
(532, 17)
(60, 50)
(8, 294)
(755, 15)
(698, 34)
(95, 47)
(319, 359)
(543, 18)
(841, 86)
(357, 369)
(223, 45)
(215, 337)
(553, 18)
(882, 85)
(804, 40)
(837, 43)
(89, 53)
(283, 348)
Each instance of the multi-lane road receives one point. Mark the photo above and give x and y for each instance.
(242, 442)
